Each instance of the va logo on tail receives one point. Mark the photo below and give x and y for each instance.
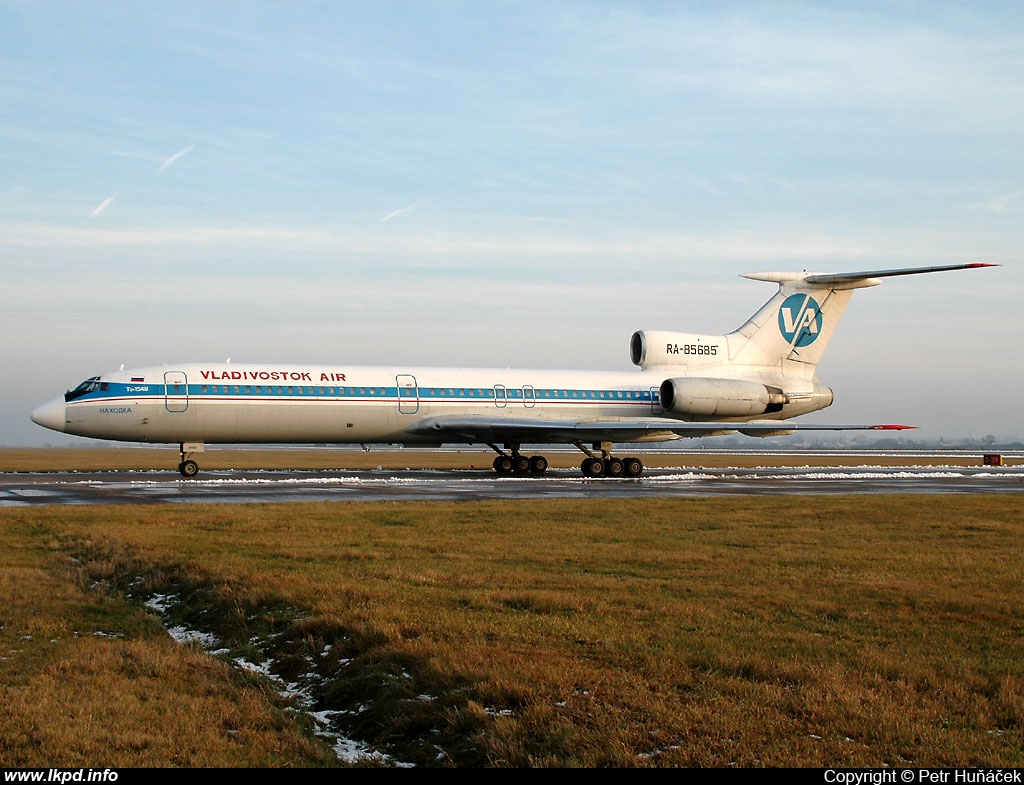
(800, 320)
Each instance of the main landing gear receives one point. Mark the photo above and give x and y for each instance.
(606, 464)
(511, 461)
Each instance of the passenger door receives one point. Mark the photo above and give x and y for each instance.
(175, 391)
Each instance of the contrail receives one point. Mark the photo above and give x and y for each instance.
(174, 158)
(101, 208)
(412, 206)
(169, 162)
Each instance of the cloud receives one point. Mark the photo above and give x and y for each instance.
(998, 204)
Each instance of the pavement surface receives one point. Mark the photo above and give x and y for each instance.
(264, 486)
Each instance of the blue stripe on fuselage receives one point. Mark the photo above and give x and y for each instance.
(216, 392)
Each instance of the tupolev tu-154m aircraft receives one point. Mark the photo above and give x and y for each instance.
(751, 381)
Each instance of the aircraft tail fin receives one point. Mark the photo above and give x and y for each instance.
(788, 335)
(792, 330)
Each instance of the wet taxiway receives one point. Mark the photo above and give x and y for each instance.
(262, 486)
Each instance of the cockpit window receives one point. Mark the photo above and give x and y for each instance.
(86, 387)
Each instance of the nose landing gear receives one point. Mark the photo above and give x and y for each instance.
(187, 466)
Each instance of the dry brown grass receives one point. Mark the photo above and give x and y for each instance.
(88, 679)
(806, 631)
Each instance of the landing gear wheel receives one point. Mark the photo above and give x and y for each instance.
(632, 467)
(538, 464)
(613, 467)
(503, 464)
(188, 468)
(592, 467)
(520, 464)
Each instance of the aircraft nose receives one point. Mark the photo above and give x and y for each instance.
(50, 415)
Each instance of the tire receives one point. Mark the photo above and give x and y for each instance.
(503, 464)
(538, 464)
(521, 464)
(188, 468)
(632, 467)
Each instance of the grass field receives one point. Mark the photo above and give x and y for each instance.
(859, 631)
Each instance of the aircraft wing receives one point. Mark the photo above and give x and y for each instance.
(541, 431)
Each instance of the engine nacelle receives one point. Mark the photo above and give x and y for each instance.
(655, 347)
(720, 397)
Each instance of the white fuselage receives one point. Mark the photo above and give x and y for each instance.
(233, 403)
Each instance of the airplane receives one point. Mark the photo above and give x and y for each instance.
(752, 381)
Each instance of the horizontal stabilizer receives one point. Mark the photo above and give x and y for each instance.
(864, 277)
(839, 278)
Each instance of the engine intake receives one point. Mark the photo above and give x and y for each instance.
(649, 348)
(720, 397)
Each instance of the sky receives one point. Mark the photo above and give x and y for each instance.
(510, 184)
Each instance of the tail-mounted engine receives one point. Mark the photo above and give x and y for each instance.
(649, 348)
(720, 397)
